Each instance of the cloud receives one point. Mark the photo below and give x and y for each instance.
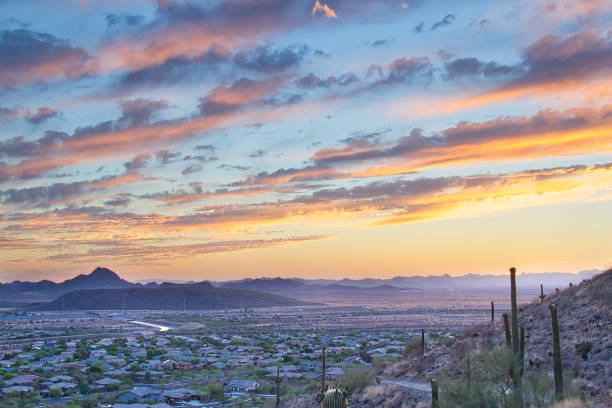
(447, 20)
(375, 203)
(381, 43)
(7, 114)
(41, 115)
(228, 99)
(152, 252)
(121, 200)
(265, 60)
(193, 168)
(257, 153)
(324, 9)
(174, 70)
(228, 167)
(63, 193)
(166, 156)
(138, 162)
(553, 133)
(403, 69)
(464, 67)
(419, 28)
(312, 81)
(124, 18)
(138, 112)
(27, 55)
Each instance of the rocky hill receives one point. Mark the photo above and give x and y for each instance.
(584, 315)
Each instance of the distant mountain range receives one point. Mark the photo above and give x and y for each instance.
(166, 296)
(472, 282)
(103, 289)
(284, 286)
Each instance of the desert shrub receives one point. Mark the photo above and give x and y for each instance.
(213, 389)
(412, 347)
(487, 382)
(537, 386)
(357, 378)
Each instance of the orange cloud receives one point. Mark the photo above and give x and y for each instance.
(95, 230)
(323, 8)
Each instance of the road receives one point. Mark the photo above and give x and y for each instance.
(414, 385)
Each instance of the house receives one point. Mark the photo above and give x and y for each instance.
(108, 384)
(22, 390)
(26, 379)
(241, 386)
(182, 394)
(333, 373)
(58, 378)
(140, 394)
(61, 388)
(238, 363)
(308, 365)
(150, 374)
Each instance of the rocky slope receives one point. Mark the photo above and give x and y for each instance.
(584, 314)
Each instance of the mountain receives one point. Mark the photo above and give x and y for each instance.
(267, 285)
(293, 286)
(471, 282)
(99, 278)
(166, 296)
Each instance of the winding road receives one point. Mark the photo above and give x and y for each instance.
(414, 385)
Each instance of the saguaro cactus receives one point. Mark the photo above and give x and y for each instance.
(517, 394)
(522, 351)
(557, 366)
(507, 330)
(323, 374)
(422, 342)
(278, 380)
(542, 295)
(434, 394)
(334, 398)
(468, 373)
(492, 312)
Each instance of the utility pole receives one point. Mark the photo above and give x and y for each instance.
(184, 304)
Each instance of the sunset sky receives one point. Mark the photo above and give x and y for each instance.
(226, 139)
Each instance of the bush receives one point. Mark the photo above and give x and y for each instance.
(357, 378)
(214, 390)
(487, 382)
(412, 347)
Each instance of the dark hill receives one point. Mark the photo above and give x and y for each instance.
(167, 296)
(99, 278)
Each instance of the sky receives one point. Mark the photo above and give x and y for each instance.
(319, 139)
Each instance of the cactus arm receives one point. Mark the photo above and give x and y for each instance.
(507, 330)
